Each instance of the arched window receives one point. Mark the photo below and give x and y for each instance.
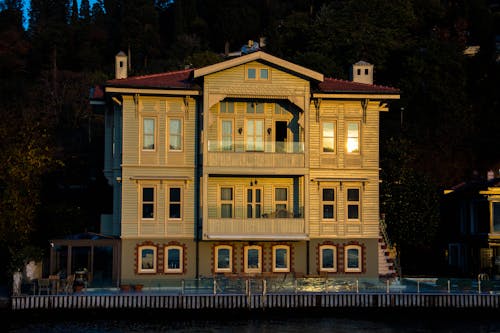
(253, 259)
(223, 259)
(353, 258)
(328, 258)
(281, 258)
(147, 260)
(174, 259)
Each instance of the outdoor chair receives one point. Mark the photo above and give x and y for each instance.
(67, 286)
(43, 285)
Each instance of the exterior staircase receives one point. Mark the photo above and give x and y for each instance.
(387, 256)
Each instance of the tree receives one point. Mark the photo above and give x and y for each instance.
(410, 203)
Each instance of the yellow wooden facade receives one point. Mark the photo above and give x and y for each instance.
(253, 164)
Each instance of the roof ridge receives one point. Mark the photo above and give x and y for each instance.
(359, 83)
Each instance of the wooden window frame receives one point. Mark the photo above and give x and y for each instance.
(142, 202)
(216, 259)
(358, 137)
(225, 202)
(180, 202)
(353, 203)
(143, 134)
(357, 269)
(178, 270)
(335, 259)
(140, 269)
(255, 136)
(254, 203)
(252, 270)
(279, 202)
(180, 135)
(323, 137)
(274, 250)
(324, 202)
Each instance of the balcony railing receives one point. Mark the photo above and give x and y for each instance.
(276, 225)
(256, 147)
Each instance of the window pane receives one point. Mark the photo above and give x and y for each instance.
(174, 258)
(175, 134)
(253, 258)
(148, 211)
(352, 137)
(353, 194)
(328, 194)
(264, 74)
(280, 194)
(223, 256)
(352, 258)
(328, 137)
(174, 211)
(175, 194)
(259, 108)
(226, 193)
(148, 133)
(226, 210)
(249, 211)
(257, 195)
(251, 73)
(281, 258)
(147, 259)
(352, 212)
(328, 211)
(227, 135)
(327, 258)
(148, 194)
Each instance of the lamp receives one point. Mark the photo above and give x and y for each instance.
(240, 130)
(269, 130)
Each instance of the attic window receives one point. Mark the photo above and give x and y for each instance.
(121, 64)
(366, 71)
(257, 73)
(359, 71)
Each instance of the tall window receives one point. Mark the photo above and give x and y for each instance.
(352, 258)
(174, 203)
(253, 259)
(353, 137)
(227, 134)
(146, 259)
(328, 137)
(496, 216)
(255, 135)
(175, 135)
(148, 202)
(254, 202)
(328, 258)
(281, 201)
(148, 134)
(226, 200)
(223, 259)
(173, 257)
(281, 258)
(353, 204)
(328, 203)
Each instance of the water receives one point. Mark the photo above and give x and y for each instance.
(291, 321)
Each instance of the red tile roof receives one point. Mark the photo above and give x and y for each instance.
(173, 80)
(330, 85)
(183, 80)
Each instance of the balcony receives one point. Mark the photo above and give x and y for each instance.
(279, 225)
(271, 154)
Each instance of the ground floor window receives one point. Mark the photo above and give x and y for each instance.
(352, 258)
(253, 259)
(281, 258)
(223, 259)
(328, 258)
(147, 259)
(173, 258)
